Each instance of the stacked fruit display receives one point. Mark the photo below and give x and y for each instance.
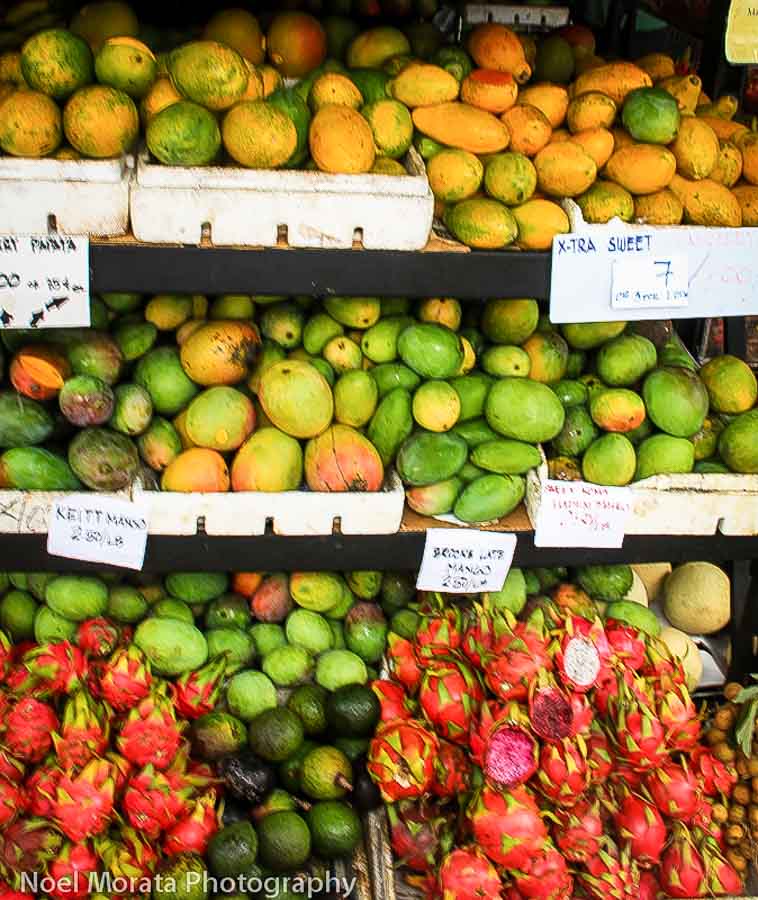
(140, 707)
(550, 755)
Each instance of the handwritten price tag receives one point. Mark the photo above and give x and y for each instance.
(98, 529)
(44, 281)
(465, 561)
(649, 282)
(577, 514)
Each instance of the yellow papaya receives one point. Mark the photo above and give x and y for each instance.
(747, 197)
(528, 128)
(685, 89)
(661, 208)
(592, 109)
(454, 175)
(710, 203)
(696, 148)
(564, 170)
(724, 108)
(657, 65)
(614, 79)
(550, 99)
(481, 223)
(559, 136)
(422, 84)
(604, 201)
(622, 138)
(539, 221)
(748, 144)
(642, 168)
(495, 46)
(491, 90)
(724, 129)
(598, 142)
(728, 166)
(462, 126)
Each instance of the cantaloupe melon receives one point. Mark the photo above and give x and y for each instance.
(696, 598)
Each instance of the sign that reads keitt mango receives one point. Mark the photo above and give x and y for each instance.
(465, 561)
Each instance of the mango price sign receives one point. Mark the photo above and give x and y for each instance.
(604, 273)
(465, 561)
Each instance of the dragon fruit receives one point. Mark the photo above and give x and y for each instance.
(151, 734)
(721, 877)
(582, 715)
(610, 875)
(628, 644)
(467, 874)
(29, 725)
(28, 845)
(41, 786)
(682, 869)
(10, 767)
(675, 790)
(7, 893)
(6, 655)
(394, 702)
(639, 735)
(419, 833)
(546, 876)
(599, 757)
(502, 745)
(640, 825)
(563, 774)
(449, 696)
(84, 802)
(152, 804)
(678, 715)
(97, 637)
(196, 693)
(193, 833)
(550, 712)
(517, 655)
(52, 669)
(439, 631)
(478, 636)
(578, 830)
(584, 655)
(12, 801)
(649, 887)
(713, 776)
(85, 730)
(507, 825)
(71, 869)
(452, 771)
(122, 769)
(401, 759)
(401, 658)
(130, 857)
(125, 679)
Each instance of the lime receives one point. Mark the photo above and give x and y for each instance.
(17, 612)
(276, 801)
(326, 774)
(275, 734)
(284, 841)
(233, 850)
(250, 693)
(309, 703)
(335, 828)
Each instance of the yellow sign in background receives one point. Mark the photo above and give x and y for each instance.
(741, 41)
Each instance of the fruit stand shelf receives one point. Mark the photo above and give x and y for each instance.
(340, 552)
(443, 269)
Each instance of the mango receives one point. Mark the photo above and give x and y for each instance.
(354, 312)
(391, 424)
(342, 459)
(578, 432)
(220, 352)
(196, 470)
(589, 335)
(621, 362)
(436, 406)
(676, 401)
(662, 454)
(425, 457)
(610, 460)
(525, 410)
(355, 398)
(435, 499)
(617, 409)
(738, 443)
(503, 360)
(509, 321)
(296, 398)
(268, 461)
(171, 646)
(548, 355)
(220, 418)
(489, 497)
(696, 149)
(506, 457)
(642, 168)
(604, 201)
(730, 383)
(564, 170)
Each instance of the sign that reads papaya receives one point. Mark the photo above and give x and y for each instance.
(741, 40)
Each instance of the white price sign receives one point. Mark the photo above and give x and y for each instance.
(44, 281)
(98, 529)
(465, 561)
(578, 514)
(650, 282)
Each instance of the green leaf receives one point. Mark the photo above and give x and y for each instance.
(745, 725)
(748, 693)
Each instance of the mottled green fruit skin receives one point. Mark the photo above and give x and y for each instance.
(475, 432)
(651, 115)
(184, 134)
(472, 391)
(426, 458)
(36, 469)
(569, 392)
(489, 497)
(23, 422)
(77, 597)
(662, 454)
(103, 459)
(506, 457)
(676, 401)
(578, 432)
(389, 376)
(624, 360)
(161, 374)
(172, 646)
(525, 410)
(738, 444)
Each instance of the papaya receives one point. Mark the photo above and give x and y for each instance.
(564, 170)
(238, 29)
(604, 201)
(598, 143)
(220, 352)
(341, 141)
(495, 46)
(592, 109)
(711, 204)
(454, 175)
(30, 125)
(426, 458)
(622, 138)
(490, 90)
(208, 73)
(696, 149)
(657, 65)
(391, 424)
(539, 221)
(748, 144)
(528, 129)
(616, 80)
(481, 223)
(661, 208)
(560, 135)
(197, 470)
(747, 197)
(724, 108)
(685, 89)
(728, 166)
(268, 461)
(642, 168)
(391, 125)
(462, 126)
(258, 135)
(510, 178)
(424, 84)
(489, 497)
(333, 87)
(550, 99)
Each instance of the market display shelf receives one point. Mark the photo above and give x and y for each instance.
(340, 552)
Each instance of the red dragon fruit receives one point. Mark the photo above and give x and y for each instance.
(122, 769)
(12, 801)
(394, 702)
(419, 832)
(506, 825)
(29, 726)
(452, 771)
(678, 715)
(130, 857)
(152, 804)
(502, 745)
(584, 654)
(6, 655)
(563, 774)
(10, 767)
(675, 790)
(550, 713)
(193, 833)
(722, 878)
(467, 874)
(71, 870)
(608, 687)
(97, 637)
(41, 786)
(714, 776)
(610, 875)
(705, 821)
(628, 644)
(85, 730)
(478, 636)
(439, 631)
(449, 696)
(599, 757)
(649, 887)
(7, 893)
(53, 669)
(125, 679)
(583, 715)
(546, 876)
(196, 693)
(640, 826)
(578, 830)
(84, 802)
(401, 759)
(639, 735)
(660, 662)
(150, 735)
(28, 845)
(517, 655)
(682, 869)
(401, 658)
